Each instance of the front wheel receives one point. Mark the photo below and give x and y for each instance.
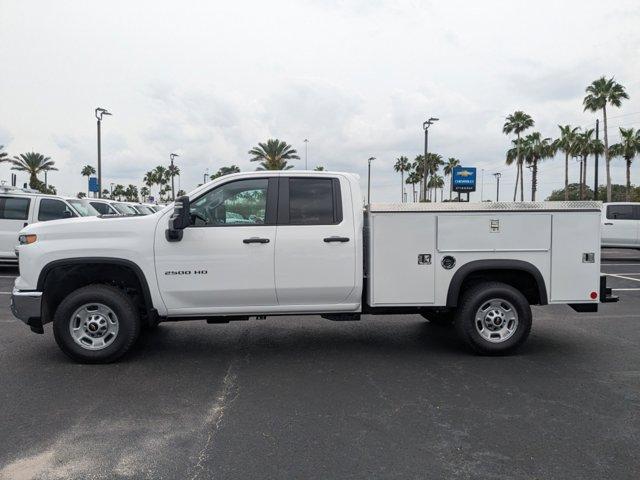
(96, 324)
(493, 318)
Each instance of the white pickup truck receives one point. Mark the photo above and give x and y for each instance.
(301, 243)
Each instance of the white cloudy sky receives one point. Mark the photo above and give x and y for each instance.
(209, 79)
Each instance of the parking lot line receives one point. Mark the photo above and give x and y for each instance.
(626, 290)
(622, 276)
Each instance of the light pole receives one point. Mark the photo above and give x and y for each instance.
(173, 190)
(99, 113)
(206, 174)
(306, 151)
(111, 190)
(369, 181)
(482, 186)
(426, 126)
(497, 175)
(46, 184)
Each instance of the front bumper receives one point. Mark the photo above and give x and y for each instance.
(26, 306)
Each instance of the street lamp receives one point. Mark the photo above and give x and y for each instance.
(173, 190)
(99, 113)
(111, 190)
(426, 126)
(206, 174)
(497, 175)
(306, 143)
(369, 181)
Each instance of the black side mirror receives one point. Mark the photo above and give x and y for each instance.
(180, 219)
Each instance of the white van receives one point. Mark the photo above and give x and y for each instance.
(20, 207)
(621, 225)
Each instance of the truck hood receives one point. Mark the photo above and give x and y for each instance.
(91, 226)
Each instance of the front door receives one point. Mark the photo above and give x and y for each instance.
(224, 262)
(620, 227)
(315, 243)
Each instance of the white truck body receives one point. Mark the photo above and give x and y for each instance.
(297, 256)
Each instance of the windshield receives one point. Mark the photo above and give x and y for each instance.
(83, 207)
(124, 209)
(144, 210)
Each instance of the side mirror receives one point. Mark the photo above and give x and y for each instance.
(180, 219)
(67, 214)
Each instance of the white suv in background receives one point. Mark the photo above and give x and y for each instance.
(20, 207)
(621, 225)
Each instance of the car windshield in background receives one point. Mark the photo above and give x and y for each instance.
(124, 209)
(83, 208)
(144, 210)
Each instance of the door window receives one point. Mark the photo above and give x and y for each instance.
(14, 208)
(51, 209)
(103, 208)
(314, 201)
(621, 212)
(243, 202)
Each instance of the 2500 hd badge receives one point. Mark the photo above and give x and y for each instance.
(186, 272)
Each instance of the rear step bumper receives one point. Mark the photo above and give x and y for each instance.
(606, 293)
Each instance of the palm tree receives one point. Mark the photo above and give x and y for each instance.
(3, 155)
(436, 181)
(172, 172)
(601, 92)
(586, 145)
(412, 179)
(33, 163)
(434, 162)
(144, 193)
(628, 147)
(119, 191)
(225, 171)
(534, 149)
(131, 193)
(402, 165)
(273, 155)
(87, 171)
(448, 172)
(566, 144)
(319, 168)
(161, 177)
(81, 195)
(517, 123)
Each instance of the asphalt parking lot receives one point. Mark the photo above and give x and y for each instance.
(294, 397)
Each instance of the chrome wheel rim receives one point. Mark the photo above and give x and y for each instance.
(496, 320)
(94, 326)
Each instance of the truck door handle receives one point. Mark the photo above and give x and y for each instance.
(255, 240)
(336, 239)
(608, 223)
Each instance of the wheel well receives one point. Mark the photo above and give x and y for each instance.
(521, 280)
(60, 280)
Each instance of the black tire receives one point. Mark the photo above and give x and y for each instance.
(441, 318)
(478, 296)
(128, 320)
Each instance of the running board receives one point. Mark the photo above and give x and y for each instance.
(341, 317)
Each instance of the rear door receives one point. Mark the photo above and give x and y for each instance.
(620, 225)
(14, 216)
(315, 257)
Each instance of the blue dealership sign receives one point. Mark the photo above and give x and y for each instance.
(93, 184)
(464, 179)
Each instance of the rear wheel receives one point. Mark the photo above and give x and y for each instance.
(493, 318)
(96, 324)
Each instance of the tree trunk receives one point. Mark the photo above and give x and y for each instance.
(33, 181)
(413, 186)
(515, 191)
(401, 186)
(534, 179)
(581, 184)
(606, 152)
(628, 195)
(566, 175)
(584, 176)
(522, 181)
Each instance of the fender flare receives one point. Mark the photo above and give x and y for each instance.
(146, 293)
(478, 265)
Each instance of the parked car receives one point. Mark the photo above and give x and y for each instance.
(82, 206)
(141, 209)
(20, 207)
(103, 206)
(620, 225)
(300, 243)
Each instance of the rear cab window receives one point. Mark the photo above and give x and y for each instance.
(14, 208)
(311, 201)
(622, 212)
